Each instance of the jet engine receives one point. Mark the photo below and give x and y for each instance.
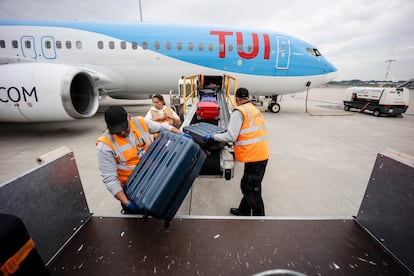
(40, 92)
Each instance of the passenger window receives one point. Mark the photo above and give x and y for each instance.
(2, 44)
(134, 45)
(156, 45)
(210, 47)
(58, 44)
(123, 45)
(230, 47)
(68, 44)
(15, 44)
(168, 45)
(27, 44)
(48, 44)
(78, 44)
(144, 45)
(179, 46)
(190, 46)
(221, 47)
(111, 45)
(100, 44)
(200, 46)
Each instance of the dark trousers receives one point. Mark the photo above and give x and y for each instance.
(251, 187)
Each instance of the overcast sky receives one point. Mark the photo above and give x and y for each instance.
(357, 36)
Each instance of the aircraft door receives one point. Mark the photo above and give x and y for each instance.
(28, 47)
(283, 53)
(48, 47)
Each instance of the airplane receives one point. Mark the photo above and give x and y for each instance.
(57, 71)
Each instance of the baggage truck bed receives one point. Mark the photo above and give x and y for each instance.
(72, 241)
(222, 246)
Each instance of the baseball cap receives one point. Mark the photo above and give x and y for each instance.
(116, 119)
(242, 93)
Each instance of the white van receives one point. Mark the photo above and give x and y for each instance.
(380, 100)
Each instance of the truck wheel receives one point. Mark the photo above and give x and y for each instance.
(227, 174)
(347, 107)
(376, 113)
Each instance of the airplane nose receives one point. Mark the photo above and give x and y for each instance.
(331, 71)
(331, 76)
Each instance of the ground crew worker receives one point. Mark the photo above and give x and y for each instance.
(121, 147)
(247, 130)
(160, 113)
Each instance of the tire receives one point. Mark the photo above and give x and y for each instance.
(376, 113)
(227, 174)
(347, 107)
(274, 107)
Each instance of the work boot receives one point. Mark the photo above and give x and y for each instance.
(237, 212)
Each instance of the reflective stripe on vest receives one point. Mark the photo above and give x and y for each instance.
(251, 144)
(129, 154)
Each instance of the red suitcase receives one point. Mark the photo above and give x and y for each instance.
(207, 110)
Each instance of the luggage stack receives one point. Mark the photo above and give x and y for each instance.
(162, 179)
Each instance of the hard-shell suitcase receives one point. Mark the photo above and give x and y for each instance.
(207, 110)
(163, 177)
(198, 130)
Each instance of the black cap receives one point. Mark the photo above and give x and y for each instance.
(116, 119)
(242, 93)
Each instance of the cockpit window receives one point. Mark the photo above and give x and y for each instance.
(313, 51)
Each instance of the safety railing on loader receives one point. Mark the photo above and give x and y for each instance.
(227, 88)
(192, 82)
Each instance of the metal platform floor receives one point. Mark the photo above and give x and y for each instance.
(219, 246)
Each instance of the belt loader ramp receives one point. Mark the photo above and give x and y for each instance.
(208, 99)
(73, 241)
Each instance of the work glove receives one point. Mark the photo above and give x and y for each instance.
(186, 135)
(132, 208)
(208, 137)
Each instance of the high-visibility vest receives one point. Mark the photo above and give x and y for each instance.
(251, 144)
(127, 154)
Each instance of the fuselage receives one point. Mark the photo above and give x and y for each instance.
(133, 60)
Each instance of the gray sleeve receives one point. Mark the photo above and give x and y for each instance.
(108, 168)
(233, 130)
(154, 127)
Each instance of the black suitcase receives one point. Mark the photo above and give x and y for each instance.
(18, 254)
(198, 130)
(162, 179)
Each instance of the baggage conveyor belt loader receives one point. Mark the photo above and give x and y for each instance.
(208, 99)
(73, 241)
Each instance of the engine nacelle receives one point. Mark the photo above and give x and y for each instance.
(40, 92)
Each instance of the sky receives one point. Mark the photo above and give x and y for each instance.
(357, 36)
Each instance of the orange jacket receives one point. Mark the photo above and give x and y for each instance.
(251, 144)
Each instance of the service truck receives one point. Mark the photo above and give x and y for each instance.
(391, 101)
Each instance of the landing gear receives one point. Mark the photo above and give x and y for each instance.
(273, 106)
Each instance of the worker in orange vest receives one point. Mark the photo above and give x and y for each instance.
(121, 147)
(247, 131)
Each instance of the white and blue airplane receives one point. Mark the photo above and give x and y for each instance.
(56, 71)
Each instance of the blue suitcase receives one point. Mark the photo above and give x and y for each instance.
(198, 130)
(163, 177)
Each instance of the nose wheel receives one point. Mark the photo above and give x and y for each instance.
(273, 106)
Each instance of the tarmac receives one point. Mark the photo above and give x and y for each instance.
(321, 157)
